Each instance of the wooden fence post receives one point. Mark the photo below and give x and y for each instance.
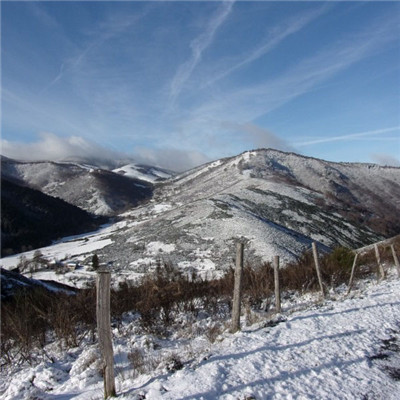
(104, 331)
(353, 268)
(277, 288)
(237, 292)
(381, 271)
(316, 261)
(396, 260)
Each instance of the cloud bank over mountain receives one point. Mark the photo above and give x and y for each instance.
(51, 147)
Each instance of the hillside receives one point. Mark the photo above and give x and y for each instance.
(277, 202)
(31, 219)
(93, 189)
(12, 282)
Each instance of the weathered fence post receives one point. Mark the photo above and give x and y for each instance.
(277, 288)
(316, 261)
(381, 271)
(104, 331)
(353, 268)
(396, 260)
(237, 292)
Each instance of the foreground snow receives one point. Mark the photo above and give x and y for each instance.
(331, 350)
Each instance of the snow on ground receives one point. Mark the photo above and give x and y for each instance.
(149, 174)
(71, 246)
(331, 350)
(158, 208)
(322, 353)
(203, 267)
(59, 251)
(159, 247)
(79, 278)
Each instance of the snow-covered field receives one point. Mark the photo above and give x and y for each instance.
(342, 348)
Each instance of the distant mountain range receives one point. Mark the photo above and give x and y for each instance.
(277, 202)
(95, 190)
(44, 201)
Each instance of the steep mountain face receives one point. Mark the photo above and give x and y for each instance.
(365, 194)
(30, 219)
(278, 203)
(95, 190)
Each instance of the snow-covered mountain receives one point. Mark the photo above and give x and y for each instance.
(96, 190)
(342, 347)
(144, 172)
(277, 202)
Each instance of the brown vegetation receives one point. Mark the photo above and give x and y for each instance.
(33, 318)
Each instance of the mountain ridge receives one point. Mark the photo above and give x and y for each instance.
(279, 202)
(95, 190)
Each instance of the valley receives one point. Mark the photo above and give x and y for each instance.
(277, 202)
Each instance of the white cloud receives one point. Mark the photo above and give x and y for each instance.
(385, 159)
(51, 147)
(172, 159)
(250, 102)
(348, 137)
(259, 137)
(277, 35)
(198, 46)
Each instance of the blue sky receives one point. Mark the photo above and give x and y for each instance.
(181, 83)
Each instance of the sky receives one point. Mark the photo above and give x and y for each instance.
(177, 84)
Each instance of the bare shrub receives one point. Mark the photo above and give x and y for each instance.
(137, 360)
(258, 284)
(213, 332)
(336, 266)
(300, 275)
(31, 315)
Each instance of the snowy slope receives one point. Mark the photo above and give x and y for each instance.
(12, 281)
(144, 172)
(277, 202)
(344, 348)
(92, 189)
(78, 248)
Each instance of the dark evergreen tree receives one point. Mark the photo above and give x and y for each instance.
(95, 262)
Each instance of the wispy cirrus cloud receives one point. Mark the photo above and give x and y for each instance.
(348, 137)
(276, 36)
(198, 46)
(112, 26)
(117, 75)
(245, 104)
